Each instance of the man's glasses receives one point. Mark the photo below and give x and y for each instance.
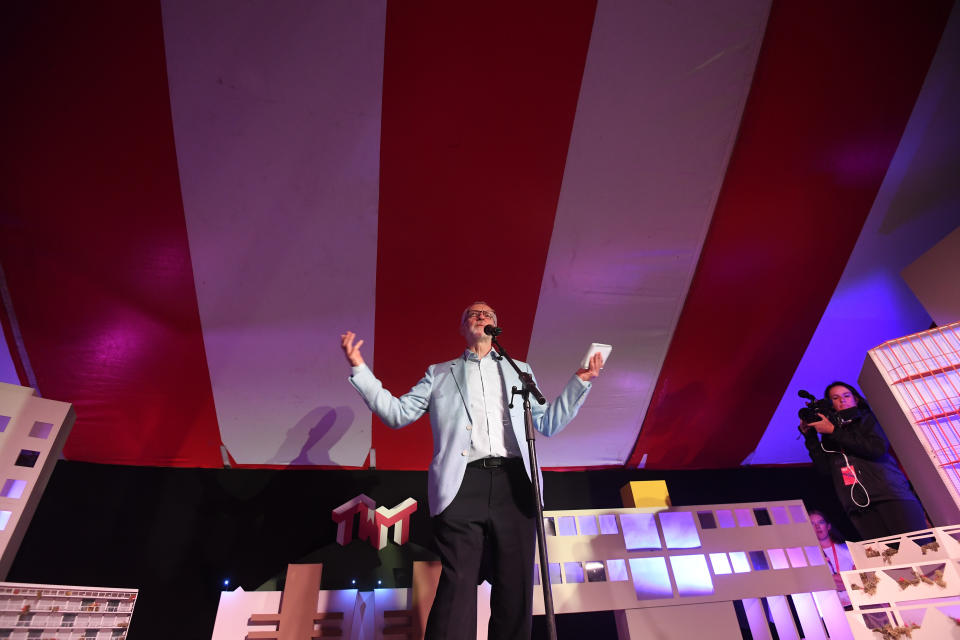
(477, 313)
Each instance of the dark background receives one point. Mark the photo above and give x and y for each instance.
(177, 534)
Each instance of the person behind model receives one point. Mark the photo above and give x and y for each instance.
(874, 492)
(479, 485)
(835, 552)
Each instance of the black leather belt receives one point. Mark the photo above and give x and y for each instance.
(491, 463)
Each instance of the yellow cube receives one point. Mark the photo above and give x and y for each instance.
(646, 493)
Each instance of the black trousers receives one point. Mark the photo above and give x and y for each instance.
(888, 518)
(487, 533)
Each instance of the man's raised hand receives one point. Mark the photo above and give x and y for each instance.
(351, 350)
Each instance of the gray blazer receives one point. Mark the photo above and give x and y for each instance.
(443, 392)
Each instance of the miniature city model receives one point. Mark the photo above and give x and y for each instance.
(32, 433)
(57, 612)
(683, 571)
(906, 586)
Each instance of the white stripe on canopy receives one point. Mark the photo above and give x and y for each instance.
(660, 104)
(276, 112)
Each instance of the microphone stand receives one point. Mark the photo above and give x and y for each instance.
(530, 388)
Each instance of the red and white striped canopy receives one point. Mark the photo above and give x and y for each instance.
(198, 198)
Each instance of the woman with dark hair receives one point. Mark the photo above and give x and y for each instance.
(835, 552)
(853, 450)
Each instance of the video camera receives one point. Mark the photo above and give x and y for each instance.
(810, 413)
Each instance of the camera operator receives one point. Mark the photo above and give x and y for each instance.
(850, 447)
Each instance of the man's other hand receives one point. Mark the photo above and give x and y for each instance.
(591, 372)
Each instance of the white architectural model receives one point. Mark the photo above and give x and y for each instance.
(32, 433)
(682, 572)
(913, 386)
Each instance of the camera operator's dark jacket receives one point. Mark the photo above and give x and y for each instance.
(867, 450)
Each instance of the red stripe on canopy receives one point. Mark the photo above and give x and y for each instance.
(478, 106)
(834, 87)
(107, 307)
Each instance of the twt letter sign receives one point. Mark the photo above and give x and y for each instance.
(374, 521)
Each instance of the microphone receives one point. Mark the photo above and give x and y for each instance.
(491, 330)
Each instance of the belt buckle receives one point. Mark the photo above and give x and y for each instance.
(492, 463)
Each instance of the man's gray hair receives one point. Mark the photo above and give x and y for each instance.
(463, 316)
